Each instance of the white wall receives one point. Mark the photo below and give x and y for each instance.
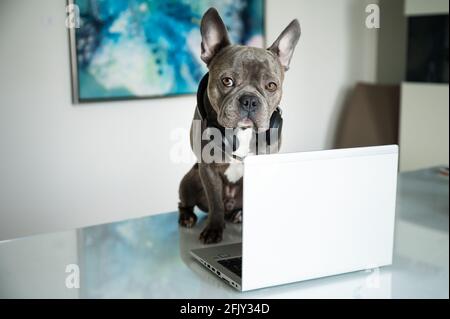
(335, 50)
(64, 166)
(424, 126)
(424, 110)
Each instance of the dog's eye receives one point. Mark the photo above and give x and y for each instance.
(228, 82)
(271, 86)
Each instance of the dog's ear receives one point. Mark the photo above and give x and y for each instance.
(214, 35)
(284, 46)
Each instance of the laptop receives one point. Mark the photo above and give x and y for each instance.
(310, 215)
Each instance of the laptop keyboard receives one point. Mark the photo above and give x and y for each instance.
(233, 264)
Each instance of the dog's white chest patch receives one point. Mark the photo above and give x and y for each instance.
(244, 137)
(235, 171)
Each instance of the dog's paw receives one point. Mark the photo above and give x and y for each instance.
(235, 217)
(211, 234)
(187, 220)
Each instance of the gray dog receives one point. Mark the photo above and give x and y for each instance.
(241, 93)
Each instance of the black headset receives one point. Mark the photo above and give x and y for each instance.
(276, 120)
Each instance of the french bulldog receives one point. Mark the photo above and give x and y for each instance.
(241, 92)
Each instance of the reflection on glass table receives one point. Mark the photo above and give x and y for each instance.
(149, 258)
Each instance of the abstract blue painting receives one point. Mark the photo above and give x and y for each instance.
(125, 49)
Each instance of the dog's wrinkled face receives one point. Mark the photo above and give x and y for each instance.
(245, 86)
(245, 83)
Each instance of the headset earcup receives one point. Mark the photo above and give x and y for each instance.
(276, 123)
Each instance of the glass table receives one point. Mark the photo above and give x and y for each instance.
(149, 258)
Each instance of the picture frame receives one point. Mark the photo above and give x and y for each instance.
(99, 69)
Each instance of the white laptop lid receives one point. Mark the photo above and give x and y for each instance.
(315, 214)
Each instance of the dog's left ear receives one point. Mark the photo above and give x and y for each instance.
(214, 35)
(284, 46)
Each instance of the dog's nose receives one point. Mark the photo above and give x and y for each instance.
(249, 103)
